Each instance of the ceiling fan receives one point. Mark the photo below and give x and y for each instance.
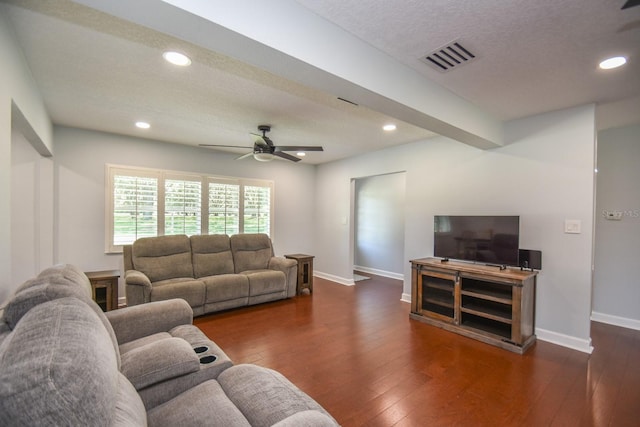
(264, 150)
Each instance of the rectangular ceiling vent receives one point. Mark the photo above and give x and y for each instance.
(448, 57)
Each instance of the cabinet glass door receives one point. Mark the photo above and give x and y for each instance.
(438, 295)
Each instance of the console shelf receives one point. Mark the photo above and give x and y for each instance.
(483, 302)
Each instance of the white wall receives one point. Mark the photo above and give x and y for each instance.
(544, 174)
(80, 161)
(21, 107)
(616, 294)
(31, 210)
(379, 224)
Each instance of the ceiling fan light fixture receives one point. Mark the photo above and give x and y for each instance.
(263, 157)
(301, 154)
(614, 62)
(176, 58)
(389, 127)
(143, 125)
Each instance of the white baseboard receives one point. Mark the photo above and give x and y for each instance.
(389, 274)
(337, 279)
(565, 340)
(615, 320)
(406, 298)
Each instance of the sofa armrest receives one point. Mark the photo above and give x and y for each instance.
(159, 361)
(138, 287)
(290, 269)
(131, 323)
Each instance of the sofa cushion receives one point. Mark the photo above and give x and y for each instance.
(130, 410)
(163, 257)
(263, 282)
(264, 396)
(214, 409)
(226, 287)
(251, 251)
(190, 290)
(58, 367)
(211, 255)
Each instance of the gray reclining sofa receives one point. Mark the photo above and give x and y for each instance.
(63, 362)
(211, 272)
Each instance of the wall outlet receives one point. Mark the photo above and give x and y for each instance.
(572, 226)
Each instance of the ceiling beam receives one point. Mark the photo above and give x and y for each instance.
(286, 39)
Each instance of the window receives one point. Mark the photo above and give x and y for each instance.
(146, 203)
(182, 206)
(256, 209)
(135, 208)
(224, 208)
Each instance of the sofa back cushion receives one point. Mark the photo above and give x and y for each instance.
(211, 255)
(251, 251)
(59, 281)
(52, 283)
(163, 257)
(58, 367)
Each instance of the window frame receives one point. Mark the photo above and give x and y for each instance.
(112, 170)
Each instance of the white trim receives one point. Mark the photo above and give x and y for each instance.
(565, 340)
(406, 298)
(389, 274)
(337, 279)
(610, 319)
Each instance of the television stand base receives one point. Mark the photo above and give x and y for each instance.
(489, 304)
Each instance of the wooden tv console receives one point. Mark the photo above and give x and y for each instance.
(478, 301)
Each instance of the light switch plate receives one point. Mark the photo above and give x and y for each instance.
(572, 226)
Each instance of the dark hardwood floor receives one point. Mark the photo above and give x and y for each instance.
(355, 350)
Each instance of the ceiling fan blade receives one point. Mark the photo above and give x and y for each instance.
(227, 146)
(298, 148)
(631, 3)
(286, 156)
(245, 155)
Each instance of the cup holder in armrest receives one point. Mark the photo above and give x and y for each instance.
(210, 358)
(200, 349)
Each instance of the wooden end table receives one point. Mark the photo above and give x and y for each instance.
(305, 272)
(104, 288)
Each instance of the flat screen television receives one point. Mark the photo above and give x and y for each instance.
(489, 239)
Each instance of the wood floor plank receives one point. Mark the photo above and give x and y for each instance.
(355, 350)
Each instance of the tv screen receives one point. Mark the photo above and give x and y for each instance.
(490, 240)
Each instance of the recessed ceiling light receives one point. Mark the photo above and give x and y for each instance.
(177, 58)
(301, 153)
(389, 127)
(615, 62)
(143, 125)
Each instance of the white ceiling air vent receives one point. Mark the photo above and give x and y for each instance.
(448, 57)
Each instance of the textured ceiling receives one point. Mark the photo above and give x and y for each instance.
(100, 72)
(533, 56)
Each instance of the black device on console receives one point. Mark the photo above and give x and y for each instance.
(530, 259)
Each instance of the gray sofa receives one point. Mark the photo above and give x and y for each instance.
(211, 272)
(65, 362)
